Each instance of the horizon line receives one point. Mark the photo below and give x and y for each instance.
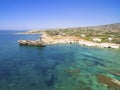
(59, 27)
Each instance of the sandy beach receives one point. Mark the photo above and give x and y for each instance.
(71, 39)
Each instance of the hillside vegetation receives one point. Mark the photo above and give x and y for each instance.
(103, 33)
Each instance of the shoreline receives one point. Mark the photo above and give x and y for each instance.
(71, 39)
(47, 39)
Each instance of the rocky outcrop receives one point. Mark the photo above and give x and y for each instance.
(31, 43)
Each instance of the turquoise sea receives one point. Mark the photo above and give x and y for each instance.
(54, 67)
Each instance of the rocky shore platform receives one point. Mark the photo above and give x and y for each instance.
(32, 43)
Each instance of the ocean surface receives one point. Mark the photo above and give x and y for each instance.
(54, 67)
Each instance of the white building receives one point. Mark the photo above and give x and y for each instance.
(97, 39)
(82, 35)
(110, 38)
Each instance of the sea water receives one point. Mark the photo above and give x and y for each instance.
(54, 67)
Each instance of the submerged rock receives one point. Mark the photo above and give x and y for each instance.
(50, 82)
(114, 72)
(111, 83)
(72, 72)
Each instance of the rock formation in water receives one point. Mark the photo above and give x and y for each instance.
(31, 42)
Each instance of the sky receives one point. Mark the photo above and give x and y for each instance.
(42, 14)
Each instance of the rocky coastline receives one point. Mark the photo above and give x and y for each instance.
(47, 39)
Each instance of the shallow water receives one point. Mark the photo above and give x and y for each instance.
(54, 67)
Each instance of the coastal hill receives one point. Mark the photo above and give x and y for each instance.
(108, 27)
(101, 34)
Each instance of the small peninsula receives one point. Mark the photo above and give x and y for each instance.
(104, 36)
